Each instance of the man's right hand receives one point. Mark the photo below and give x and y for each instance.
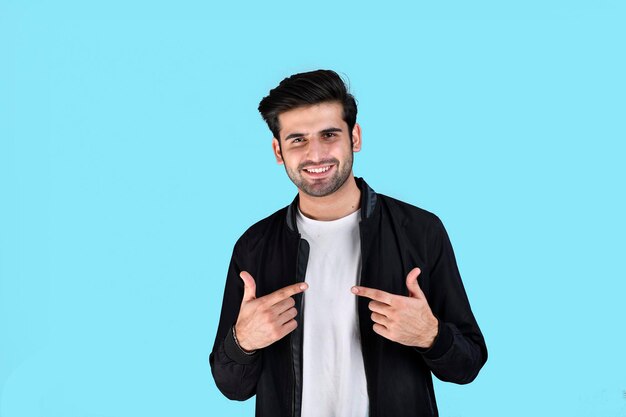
(263, 321)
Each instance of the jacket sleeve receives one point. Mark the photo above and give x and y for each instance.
(235, 372)
(459, 351)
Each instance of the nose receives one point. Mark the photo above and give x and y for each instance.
(315, 150)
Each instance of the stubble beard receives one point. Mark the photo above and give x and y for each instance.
(322, 187)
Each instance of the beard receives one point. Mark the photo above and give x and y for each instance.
(324, 186)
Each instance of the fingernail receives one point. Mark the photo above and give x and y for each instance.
(304, 286)
(355, 290)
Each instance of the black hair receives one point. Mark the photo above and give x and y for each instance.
(305, 89)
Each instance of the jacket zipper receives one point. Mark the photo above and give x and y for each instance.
(358, 319)
(293, 363)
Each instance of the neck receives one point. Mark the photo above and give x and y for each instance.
(344, 201)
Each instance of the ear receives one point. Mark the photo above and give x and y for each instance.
(356, 138)
(277, 153)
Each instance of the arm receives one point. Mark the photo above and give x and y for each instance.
(235, 372)
(459, 351)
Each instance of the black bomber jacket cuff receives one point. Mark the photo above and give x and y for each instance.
(443, 343)
(234, 352)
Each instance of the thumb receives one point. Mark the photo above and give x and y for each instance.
(249, 286)
(411, 283)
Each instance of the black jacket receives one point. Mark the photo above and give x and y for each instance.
(395, 238)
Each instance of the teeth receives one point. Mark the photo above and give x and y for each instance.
(318, 170)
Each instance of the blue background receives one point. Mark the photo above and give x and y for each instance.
(132, 157)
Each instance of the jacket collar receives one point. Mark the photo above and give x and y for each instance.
(368, 203)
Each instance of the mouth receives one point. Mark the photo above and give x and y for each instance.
(318, 171)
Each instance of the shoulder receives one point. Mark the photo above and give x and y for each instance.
(264, 228)
(406, 213)
(417, 225)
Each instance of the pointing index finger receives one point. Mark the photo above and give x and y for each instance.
(372, 293)
(286, 292)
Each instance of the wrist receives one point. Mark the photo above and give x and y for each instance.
(433, 333)
(239, 344)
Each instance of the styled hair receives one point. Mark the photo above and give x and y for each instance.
(305, 89)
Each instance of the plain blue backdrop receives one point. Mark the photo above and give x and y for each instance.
(132, 157)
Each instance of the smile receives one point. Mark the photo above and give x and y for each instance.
(318, 170)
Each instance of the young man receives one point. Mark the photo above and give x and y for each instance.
(344, 302)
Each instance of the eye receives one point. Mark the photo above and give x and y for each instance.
(329, 135)
(297, 140)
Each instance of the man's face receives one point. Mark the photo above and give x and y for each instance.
(316, 148)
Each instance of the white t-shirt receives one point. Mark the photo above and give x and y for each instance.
(334, 382)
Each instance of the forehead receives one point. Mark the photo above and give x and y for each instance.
(307, 119)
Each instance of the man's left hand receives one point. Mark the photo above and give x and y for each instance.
(406, 320)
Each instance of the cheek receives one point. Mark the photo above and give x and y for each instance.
(344, 155)
(293, 157)
(291, 162)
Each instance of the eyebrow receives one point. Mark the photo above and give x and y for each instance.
(328, 130)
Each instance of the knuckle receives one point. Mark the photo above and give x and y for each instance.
(275, 334)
